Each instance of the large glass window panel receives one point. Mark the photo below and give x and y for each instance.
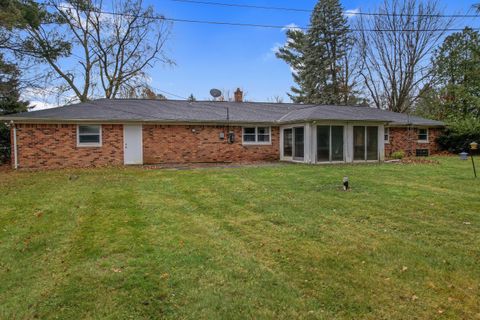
(337, 143)
(323, 143)
(372, 143)
(358, 143)
(299, 143)
(287, 142)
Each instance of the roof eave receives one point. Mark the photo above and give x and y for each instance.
(121, 121)
(430, 125)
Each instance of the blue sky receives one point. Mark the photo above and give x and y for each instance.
(227, 57)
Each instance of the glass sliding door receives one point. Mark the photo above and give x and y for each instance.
(337, 143)
(323, 143)
(329, 143)
(287, 143)
(365, 143)
(358, 143)
(298, 150)
(372, 143)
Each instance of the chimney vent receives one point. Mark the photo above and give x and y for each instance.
(238, 95)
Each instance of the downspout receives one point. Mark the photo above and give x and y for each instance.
(15, 149)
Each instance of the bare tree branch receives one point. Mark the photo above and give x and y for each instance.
(395, 54)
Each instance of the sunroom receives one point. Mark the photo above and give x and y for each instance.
(332, 142)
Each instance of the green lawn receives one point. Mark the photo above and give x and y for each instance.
(277, 242)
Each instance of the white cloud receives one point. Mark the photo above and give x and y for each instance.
(41, 98)
(291, 26)
(276, 47)
(352, 13)
(273, 50)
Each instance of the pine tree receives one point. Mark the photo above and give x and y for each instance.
(317, 57)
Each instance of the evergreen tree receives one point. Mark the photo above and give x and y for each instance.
(456, 66)
(9, 102)
(317, 57)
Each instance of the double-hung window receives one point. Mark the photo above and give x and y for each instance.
(386, 135)
(422, 135)
(256, 135)
(89, 135)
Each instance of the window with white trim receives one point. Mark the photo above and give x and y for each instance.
(89, 135)
(422, 134)
(386, 135)
(256, 135)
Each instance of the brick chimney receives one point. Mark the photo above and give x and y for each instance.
(238, 95)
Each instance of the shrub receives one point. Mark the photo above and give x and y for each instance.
(400, 154)
(459, 134)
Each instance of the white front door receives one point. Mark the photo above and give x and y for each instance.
(132, 144)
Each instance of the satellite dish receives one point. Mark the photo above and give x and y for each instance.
(215, 93)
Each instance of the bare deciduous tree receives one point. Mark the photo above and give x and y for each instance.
(395, 47)
(111, 45)
(124, 44)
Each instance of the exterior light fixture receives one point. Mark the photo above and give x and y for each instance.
(473, 146)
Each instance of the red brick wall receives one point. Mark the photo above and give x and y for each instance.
(402, 138)
(178, 144)
(48, 146)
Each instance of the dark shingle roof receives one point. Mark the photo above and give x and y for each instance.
(212, 112)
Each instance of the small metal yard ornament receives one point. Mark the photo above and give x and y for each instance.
(463, 156)
(345, 183)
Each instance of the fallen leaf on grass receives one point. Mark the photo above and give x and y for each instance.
(164, 276)
(38, 214)
(414, 297)
(116, 270)
(404, 269)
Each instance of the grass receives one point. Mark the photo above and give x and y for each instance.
(279, 242)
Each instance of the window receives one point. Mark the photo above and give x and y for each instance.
(422, 134)
(256, 135)
(299, 144)
(372, 143)
(287, 142)
(421, 152)
(293, 143)
(89, 135)
(358, 143)
(386, 135)
(329, 143)
(365, 143)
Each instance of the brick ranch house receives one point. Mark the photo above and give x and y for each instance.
(128, 131)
